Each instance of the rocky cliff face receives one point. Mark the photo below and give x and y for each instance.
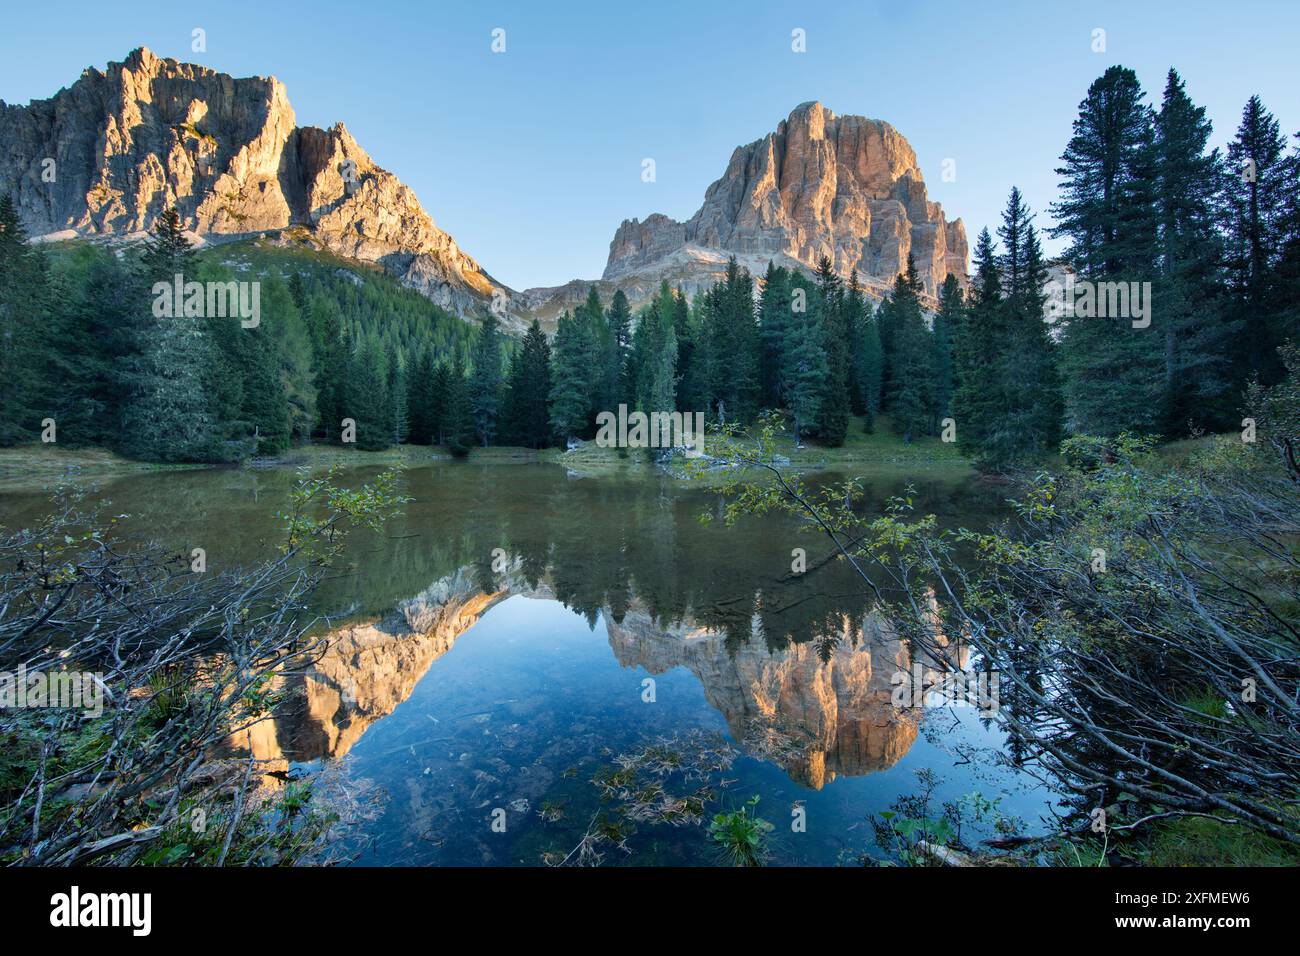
(816, 718)
(149, 133)
(844, 187)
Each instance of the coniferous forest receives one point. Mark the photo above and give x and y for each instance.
(991, 558)
(1144, 198)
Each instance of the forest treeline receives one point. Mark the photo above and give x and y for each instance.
(337, 357)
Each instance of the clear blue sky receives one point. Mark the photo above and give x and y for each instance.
(531, 158)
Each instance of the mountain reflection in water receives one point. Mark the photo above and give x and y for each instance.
(493, 648)
(819, 708)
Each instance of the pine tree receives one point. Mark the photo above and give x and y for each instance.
(871, 361)
(99, 307)
(570, 407)
(911, 403)
(263, 406)
(367, 399)
(439, 396)
(833, 421)
(773, 317)
(1257, 186)
(419, 394)
(1189, 309)
(857, 317)
(619, 321)
(980, 347)
(528, 392)
(169, 415)
(684, 339)
(1031, 388)
(485, 381)
(23, 306)
(458, 415)
(1114, 370)
(399, 421)
(168, 251)
(804, 368)
(733, 351)
(946, 321)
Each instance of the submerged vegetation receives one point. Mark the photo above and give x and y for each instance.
(176, 665)
(1140, 617)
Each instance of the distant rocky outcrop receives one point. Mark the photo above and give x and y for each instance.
(105, 156)
(844, 187)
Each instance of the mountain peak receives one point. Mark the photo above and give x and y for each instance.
(846, 187)
(151, 133)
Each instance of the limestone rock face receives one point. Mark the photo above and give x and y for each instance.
(845, 187)
(107, 155)
(817, 718)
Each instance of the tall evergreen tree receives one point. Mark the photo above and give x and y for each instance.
(169, 415)
(946, 321)
(805, 369)
(1189, 310)
(367, 399)
(857, 317)
(528, 394)
(23, 306)
(619, 321)
(1107, 212)
(980, 346)
(570, 406)
(911, 399)
(1257, 186)
(458, 413)
(485, 381)
(773, 317)
(833, 423)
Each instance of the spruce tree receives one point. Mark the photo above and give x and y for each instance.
(367, 399)
(170, 415)
(399, 421)
(980, 345)
(804, 369)
(528, 394)
(619, 321)
(773, 317)
(1258, 182)
(458, 414)
(1114, 370)
(485, 381)
(1189, 310)
(570, 406)
(23, 306)
(833, 421)
(871, 361)
(857, 318)
(911, 385)
(946, 321)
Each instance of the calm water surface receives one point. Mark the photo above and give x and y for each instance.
(521, 632)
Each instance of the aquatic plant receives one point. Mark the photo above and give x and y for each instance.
(742, 834)
(186, 663)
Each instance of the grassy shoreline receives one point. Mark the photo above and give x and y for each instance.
(36, 466)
